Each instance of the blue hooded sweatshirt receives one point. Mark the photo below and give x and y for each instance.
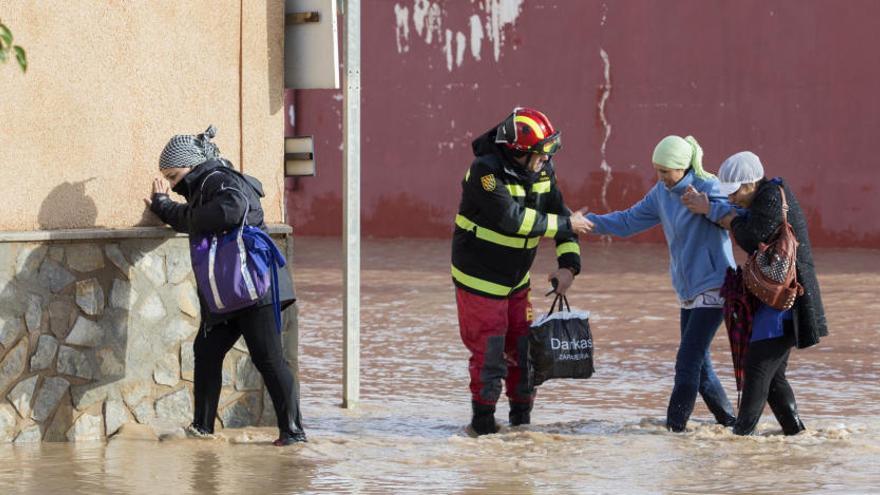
(699, 250)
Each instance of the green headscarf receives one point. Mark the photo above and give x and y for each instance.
(680, 153)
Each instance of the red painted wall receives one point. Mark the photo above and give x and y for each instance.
(794, 81)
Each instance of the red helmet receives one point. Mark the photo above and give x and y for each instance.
(529, 131)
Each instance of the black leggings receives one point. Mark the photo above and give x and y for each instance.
(264, 344)
(765, 382)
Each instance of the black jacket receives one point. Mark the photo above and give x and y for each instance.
(504, 212)
(212, 207)
(759, 225)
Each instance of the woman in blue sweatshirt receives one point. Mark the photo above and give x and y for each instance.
(699, 253)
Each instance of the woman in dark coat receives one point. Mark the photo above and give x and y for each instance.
(774, 332)
(217, 198)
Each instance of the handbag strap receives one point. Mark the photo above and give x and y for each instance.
(784, 205)
(223, 187)
(560, 299)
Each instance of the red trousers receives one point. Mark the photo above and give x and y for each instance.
(496, 332)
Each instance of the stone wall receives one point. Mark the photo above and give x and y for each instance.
(97, 332)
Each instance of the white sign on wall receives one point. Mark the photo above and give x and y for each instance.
(311, 45)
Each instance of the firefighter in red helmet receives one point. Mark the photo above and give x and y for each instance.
(509, 201)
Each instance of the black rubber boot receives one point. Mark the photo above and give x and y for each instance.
(520, 413)
(483, 421)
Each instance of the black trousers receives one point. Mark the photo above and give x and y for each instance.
(765, 382)
(257, 326)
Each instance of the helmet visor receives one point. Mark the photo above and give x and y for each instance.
(548, 146)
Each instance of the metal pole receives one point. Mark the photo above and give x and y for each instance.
(352, 206)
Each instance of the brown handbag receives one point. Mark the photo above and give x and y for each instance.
(770, 272)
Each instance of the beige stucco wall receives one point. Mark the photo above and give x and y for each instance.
(111, 81)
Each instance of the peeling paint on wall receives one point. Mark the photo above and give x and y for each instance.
(501, 13)
(476, 37)
(606, 94)
(490, 21)
(460, 45)
(401, 15)
(447, 48)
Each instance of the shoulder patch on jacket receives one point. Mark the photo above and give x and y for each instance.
(488, 182)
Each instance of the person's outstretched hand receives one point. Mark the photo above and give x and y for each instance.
(579, 223)
(160, 186)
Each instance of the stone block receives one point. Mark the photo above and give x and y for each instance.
(54, 276)
(115, 415)
(85, 258)
(187, 361)
(33, 316)
(144, 413)
(177, 331)
(167, 371)
(179, 265)
(8, 422)
(229, 363)
(135, 392)
(11, 328)
(243, 412)
(152, 266)
(114, 325)
(114, 254)
(56, 253)
(62, 314)
(176, 407)
(246, 375)
(22, 396)
(110, 363)
(56, 429)
(29, 260)
(87, 395)
(50, 394)
(90, 297)
(152, 308)
(188, 299)
(13, 365)
(76, 363)
(267, 416)
(47, 346)
(123, 295)
(31, 434)
(87, 427)
(85, 333)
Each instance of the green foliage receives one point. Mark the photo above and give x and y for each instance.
(7, 49)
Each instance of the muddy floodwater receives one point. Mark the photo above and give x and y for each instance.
(602, 435)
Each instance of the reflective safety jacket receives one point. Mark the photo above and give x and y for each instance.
(504, 212)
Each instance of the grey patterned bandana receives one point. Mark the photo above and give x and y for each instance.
(187, 150)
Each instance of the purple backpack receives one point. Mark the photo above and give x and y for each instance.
(235, 269)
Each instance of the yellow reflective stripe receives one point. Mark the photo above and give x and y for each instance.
(568, 247)
(531, 123)
(467, 175)
(552, 225)
(528, 222)
(485, 285)
(541, 187)
(494, 237)
(516, 190)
